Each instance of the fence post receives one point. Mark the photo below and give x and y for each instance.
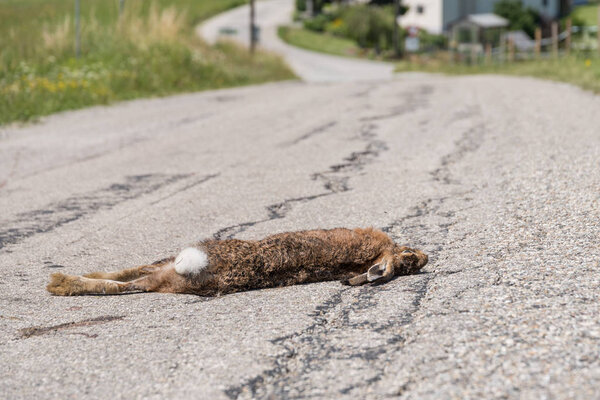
(555, 39)
(488, 53)
(77, 29)
(568, 39)
(538, 42)
(474, 34)
(121, 7)
(511, 50)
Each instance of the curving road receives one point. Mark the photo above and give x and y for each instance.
(309, 66)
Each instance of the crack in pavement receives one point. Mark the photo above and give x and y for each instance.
(309, 351)
(414, 101)
(469, 142)
(313, 132)
(197, 182)
(57, 214)
(311, 347)
(44, 330)
(334, 179)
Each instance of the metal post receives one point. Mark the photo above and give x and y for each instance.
(396, 33)
(555, 39)
(310, 8)
(77, 29)
(121, 7)
(252, 26)
(568, 39)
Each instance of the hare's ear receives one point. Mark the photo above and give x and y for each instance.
(376, 272)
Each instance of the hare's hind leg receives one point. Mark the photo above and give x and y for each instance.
(127, 275)
(164, 279)
(126, 280)
(70, 285)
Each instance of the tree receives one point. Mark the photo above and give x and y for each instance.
(520, 17)
(317, 5)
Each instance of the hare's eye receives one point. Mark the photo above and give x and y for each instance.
(407, 252)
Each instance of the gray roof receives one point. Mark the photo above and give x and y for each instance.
(485, 20)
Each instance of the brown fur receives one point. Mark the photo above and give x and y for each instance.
(354, 256)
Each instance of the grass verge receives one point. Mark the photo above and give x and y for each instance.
(320, 42)
(588, 14)
(149, 50)
(582, 72)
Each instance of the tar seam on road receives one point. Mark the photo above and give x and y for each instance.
(43, 330)
(315, 336)
(62, 212)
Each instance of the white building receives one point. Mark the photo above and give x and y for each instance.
(435, 15)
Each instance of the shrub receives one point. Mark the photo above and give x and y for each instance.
(369, 26)
(430, 42)
(317, 5)
(318, 23)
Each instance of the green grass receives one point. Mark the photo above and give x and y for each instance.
(151, 50)
(588, 14)
(320, 42)
(578, 71)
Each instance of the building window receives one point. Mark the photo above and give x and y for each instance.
(420, 9)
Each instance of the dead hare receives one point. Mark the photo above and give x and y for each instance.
(215, 267)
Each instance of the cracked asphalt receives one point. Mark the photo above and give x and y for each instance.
(496, 178)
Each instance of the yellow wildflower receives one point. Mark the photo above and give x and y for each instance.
(588, 63)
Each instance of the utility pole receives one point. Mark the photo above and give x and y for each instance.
(252, 27)
(77, 29)
(396, 33)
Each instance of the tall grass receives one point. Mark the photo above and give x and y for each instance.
(149, 50)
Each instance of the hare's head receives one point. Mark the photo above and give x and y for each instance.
(407, 260)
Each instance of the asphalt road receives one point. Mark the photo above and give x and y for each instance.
(496, 178)
(309, 66)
